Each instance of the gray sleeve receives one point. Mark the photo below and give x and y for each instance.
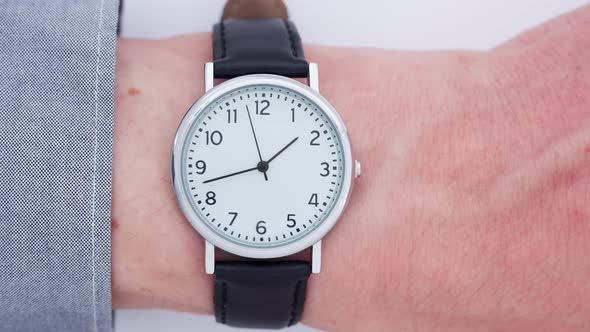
(56, 128)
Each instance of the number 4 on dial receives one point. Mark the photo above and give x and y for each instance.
(313, 200)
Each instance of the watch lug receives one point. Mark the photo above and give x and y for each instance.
(316, 257)
(313, 77)
(209, 258)
(209, 78)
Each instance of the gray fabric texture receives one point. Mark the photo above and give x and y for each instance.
(56, 126)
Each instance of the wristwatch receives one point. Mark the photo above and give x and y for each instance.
(262, 167)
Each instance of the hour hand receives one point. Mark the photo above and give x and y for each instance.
(231, 174)
(283, 149)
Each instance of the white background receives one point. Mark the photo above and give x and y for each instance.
(400, 24)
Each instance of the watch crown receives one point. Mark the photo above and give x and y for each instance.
(357, 168)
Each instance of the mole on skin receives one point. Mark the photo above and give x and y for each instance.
(133, 91)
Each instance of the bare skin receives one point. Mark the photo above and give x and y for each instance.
(473, 211)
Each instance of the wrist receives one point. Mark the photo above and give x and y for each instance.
(428, 225)
(157, 257)
(157, 82)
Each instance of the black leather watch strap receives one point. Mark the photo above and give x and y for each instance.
(256, 37)
(262, 294)
(257, 46)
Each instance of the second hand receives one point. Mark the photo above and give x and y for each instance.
(255, 140)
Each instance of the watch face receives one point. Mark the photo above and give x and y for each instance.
(262, 164)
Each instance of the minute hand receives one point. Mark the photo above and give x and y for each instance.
(228, 175)
(283, 149)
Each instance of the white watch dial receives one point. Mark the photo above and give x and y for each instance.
(262, 166)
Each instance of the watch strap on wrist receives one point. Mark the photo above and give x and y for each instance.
(256, 37)
(261, 294)
(255, 9)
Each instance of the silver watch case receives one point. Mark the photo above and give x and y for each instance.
(212, 239)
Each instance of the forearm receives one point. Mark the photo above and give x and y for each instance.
(472, 211)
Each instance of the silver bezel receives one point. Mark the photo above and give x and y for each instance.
(211, 236)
